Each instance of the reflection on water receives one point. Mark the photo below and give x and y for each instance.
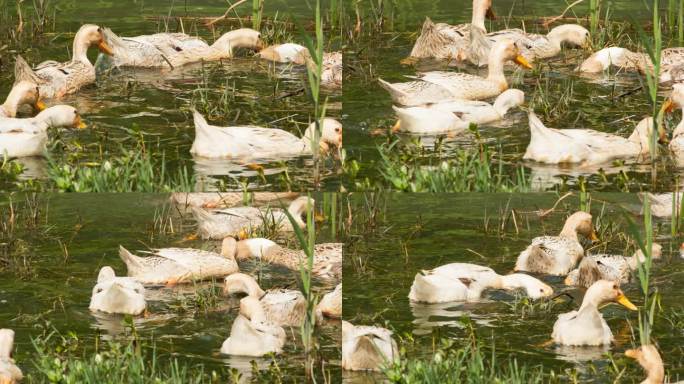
(428, 316)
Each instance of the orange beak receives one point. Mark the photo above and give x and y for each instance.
(78, 123)
(39, 105)
(624, 301)
(104, 48)
(593, 237)
(668, 106)
(521, 61)
(260, 45)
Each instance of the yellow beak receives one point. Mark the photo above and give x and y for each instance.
(521, 61)
(632, 353)
(104, 48)
(593, 237)
(624, 301)
(79, 124)
(39, 105)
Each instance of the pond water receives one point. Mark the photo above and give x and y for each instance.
(76, 234)
(414, 232)
(128, 106)
(561, 97)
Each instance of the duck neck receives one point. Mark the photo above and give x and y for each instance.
(80, 50)
(297, 209)
(264, 249)
(479, 14)
(496, 70)
(569, 231)
(502, 104)
(246, 284)
(555, 39)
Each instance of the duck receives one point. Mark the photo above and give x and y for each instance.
(535, 46)
(56, 80)
(252, 334)
(9, 372)
(439, 86)
(557, 255)
(466, 282)
(608, 267)
(223, 223)
(452, 42)
(587, 326)
(676, 146)
(662, 204)
(229, 199)
(22, 93)
(172, 50)
(114, 294)
(171, 266)
(331, 304)
(286, 53)
(649, 358)
(586, 147)
(331, 74)
(455, 115)
(327, 261)
(249, 143)
(367, 348)
(281, 306)
(671, 59)
(28, 137)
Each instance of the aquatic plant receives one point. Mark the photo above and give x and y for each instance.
(404, 168)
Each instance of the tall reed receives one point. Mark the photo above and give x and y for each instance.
(645, 242)
(257, 14)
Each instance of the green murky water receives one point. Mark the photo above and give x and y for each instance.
(606, 103)
(53, 287)
(126, 107)
(412, 232)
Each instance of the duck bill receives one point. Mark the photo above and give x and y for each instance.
(631, 353)
(593, 236)
(490, 14)
(260, 45)
(104, 48)
(39, 105)
(668, 106)
(624, 301)
(521, 61)
(79, 124)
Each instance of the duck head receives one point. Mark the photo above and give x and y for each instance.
(331, 134)
(90, 35)
(62, 116)
(114, 294)
(239, 38)
(605, 291)
(506, 50)
(241, 283)
(572, 34)
(23, 93)
(579, 223)
(535, 288)
(642, 134)
(510, 98)
(648, 357)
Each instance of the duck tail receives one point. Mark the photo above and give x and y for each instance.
(205, 220)
(367, 351)
(421, 288)
(589, 272)
(537, 128)
(24, 72)
(132, 261)
(199, 120)
(479, 46)
(394, 91)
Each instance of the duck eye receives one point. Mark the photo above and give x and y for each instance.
(99, 290)
(337, 130)
(615, 286)
(137, 290)
(99, 29)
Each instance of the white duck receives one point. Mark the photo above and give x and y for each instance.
(248, 143)
(222, 223)
(24, 92)
(114, 294)
(586, 147)
(437, 86)
(456, 115)
(28, 137)
(9, 372)
(535, 46)
(676, 101)
(327, 256)
(466, 282)
(587, 326)
(452, 42)
(252, 334)
(58, 79)
(229, 199)
(180, 265)
(671, 60)
(367, 348)
(286, 53)
(557, 255)
(662, 204)
(649, 358)
(331, 304)
(171, 50)
(608, 267)
(281, 306)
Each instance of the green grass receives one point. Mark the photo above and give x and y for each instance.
(405, 168)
